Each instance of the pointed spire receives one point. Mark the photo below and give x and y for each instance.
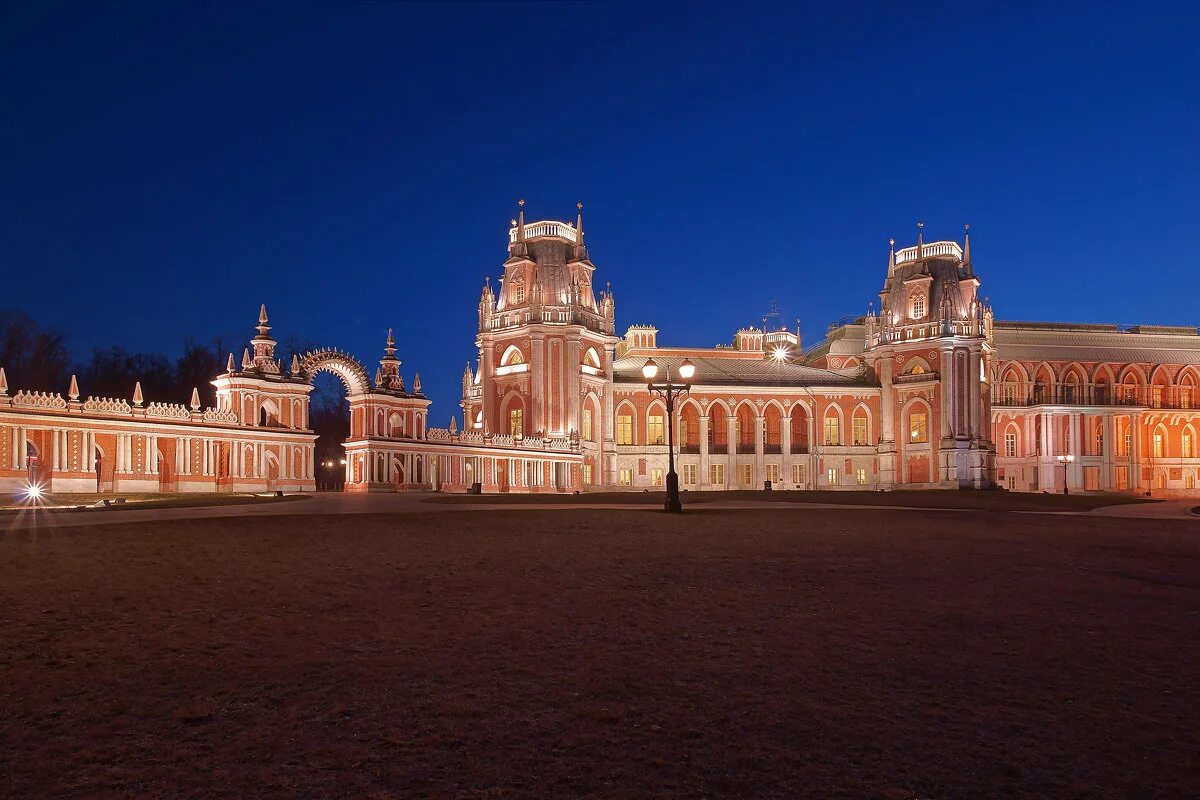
(891, 257)
(246, 362)
(454, 425)
(417, 383)
(262, 314)
(967, 249)
(295, 364)
(521, 220)
(580, 250)
(195, 404)
(3, 382)
(378, 377)
(390, 348)
(73, 392)
(920, 240)
(137, 393)
(229, 366)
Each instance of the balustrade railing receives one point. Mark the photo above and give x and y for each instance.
(1021, 395)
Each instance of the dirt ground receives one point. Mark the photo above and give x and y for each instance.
(608, 654)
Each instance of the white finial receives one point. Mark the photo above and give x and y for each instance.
(3, 382)
(137, 393)
(73, 392)
(417, 383)
(229, 366)
(195, 399)
(295, 364)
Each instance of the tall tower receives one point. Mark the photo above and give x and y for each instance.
(545, 341)
(931, 348)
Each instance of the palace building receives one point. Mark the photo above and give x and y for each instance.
(930, 391)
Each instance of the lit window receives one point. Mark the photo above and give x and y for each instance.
(831, 476)
(917, 368)
(860, 477)
(918, 310)
(1128, 444)
(519, 293)
(833, 431)
(1187, 445)
(716, 474)
(627, 477)
(624, 429)
(656, 477)
(773, 471)
(1010, 444)
(860, 431)
(587, 425)
(689, 474)
(798, 476)
(1012, 482)
(1185, 397)
(587, 474)
(516, 422)
(1158, 445)
(654, 429)
(917, 430)
(1189, 480)
(1156, 396)
(747, 475)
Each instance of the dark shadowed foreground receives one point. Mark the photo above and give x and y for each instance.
(615, 654)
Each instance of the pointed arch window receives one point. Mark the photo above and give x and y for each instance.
(918, 306)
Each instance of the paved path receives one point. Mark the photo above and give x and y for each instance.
(338, 503)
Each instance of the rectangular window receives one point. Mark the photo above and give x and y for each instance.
(716, 474)
(1189, 480)
(1158, 445)
(860, 477)
(587, 474)
(1012, 482)
(831, 476)
(654, 430)
(1185, 398)
(656, 477)
(1010, 444)
(519, 293)
(798, 476)
(1128, 444)
(683, 433)
(1187, 445)
(746, 474)
(689, 474)
(773, 471)
(917, 430)
(860, 431)
(1123, 478)
(516, 423)
(1156, 396)
(624, 429)
(1091, 479)
(587, 425)
(627, 477)
(833, 432)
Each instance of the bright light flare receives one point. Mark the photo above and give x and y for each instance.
(33, 491)
(780, 353)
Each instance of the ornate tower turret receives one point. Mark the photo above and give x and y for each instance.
(389, 367)
(930, 347)
(264, 346)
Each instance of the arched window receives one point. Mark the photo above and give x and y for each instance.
(512, 356)
(654, 426)
(799, 425)
(591, 359)
(918, 425)
(1160, 441)
(588, 423)
(718, 429)
(516, 422)
(625, 425)
(833, 428)
(860, 432)
(918, 306)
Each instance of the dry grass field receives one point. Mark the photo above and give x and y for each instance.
(609, 654)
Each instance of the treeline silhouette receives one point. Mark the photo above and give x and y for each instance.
(38, 358)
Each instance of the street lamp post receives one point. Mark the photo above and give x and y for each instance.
(669, 391)
(1066, 461)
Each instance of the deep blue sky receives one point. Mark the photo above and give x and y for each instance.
(354, 165)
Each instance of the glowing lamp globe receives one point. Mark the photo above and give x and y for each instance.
(649, 369)
(687, 369)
